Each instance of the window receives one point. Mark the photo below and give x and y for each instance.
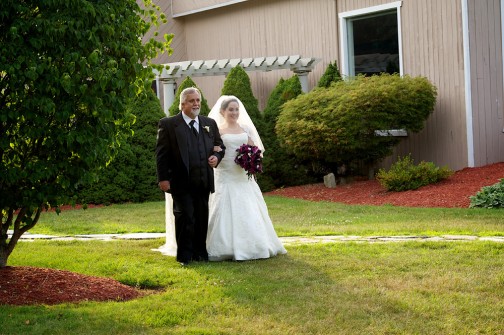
(371, 42)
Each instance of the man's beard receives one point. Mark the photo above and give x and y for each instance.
(195, 112)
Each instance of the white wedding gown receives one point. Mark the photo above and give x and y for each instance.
(239, 224)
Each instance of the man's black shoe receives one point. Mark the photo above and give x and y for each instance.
(184, 263)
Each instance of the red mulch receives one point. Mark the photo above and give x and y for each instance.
(452, 192)
(24, 285)
(29, 285)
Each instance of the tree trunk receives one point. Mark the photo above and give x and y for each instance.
(4, 253)
(19, 229)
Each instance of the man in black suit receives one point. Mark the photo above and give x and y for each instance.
(188, 147)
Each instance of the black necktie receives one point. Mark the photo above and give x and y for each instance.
(195, 132)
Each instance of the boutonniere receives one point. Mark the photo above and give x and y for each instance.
(207, 128)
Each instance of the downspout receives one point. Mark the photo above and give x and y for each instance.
(467, 84)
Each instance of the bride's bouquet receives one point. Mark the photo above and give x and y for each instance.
(249, 158)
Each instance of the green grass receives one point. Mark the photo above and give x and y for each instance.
(336, 288)
(326, 288)
(291, 217)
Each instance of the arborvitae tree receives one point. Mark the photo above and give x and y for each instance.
(237, 83)
(331, 75)
(280, 168)
(188, 82)
(131, 176)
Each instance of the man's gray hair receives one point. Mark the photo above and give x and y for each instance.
(185, 92)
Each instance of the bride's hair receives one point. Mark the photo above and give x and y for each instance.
(225, 103)
(244, 119)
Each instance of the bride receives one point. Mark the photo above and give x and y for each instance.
(239, 225)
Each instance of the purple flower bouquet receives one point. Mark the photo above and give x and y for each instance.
(249, 158)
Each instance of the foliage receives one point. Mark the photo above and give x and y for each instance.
(331, 75)
(237, 83)
(405, 175)
(67, 72)
(188, 82)
(280, 167)
(131, 176)
(337, 125)
(489, 196)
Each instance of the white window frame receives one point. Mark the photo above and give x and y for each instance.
(346, 46)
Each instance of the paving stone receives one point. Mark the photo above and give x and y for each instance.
(287, 240)
(141, 236)
(460, 237)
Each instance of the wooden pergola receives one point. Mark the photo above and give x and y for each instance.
(199, 68)
(172, 71)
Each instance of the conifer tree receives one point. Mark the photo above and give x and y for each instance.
(237, 83)
(331, 75)
(280, 168)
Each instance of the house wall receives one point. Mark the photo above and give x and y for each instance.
(263, 28)
(487, 82)
(432, 46)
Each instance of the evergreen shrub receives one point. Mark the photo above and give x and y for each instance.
(131, 176)
(337, 125)
(405, 175)
(280, 167)
(489, 196)
(237, 83)
(331, 75)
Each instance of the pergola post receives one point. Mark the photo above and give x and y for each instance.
(303, 79)
(168, 93)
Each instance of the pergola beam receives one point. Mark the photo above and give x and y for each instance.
(204, 68)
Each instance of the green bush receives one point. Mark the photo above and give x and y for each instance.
(131, 176)
(337, 125)
(489, 196)
(331, 75)
(405, 175)
(280, 167)
(188, 82)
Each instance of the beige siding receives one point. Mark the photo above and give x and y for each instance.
(262, 28)
(432, 46)
(487, 88)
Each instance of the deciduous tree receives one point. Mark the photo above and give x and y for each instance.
(68, 69)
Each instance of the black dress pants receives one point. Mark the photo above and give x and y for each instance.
(191, 224)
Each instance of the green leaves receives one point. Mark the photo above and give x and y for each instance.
(67, 71)
(337, 124)
(489, 196)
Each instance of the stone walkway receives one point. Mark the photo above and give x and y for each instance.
(290, 240)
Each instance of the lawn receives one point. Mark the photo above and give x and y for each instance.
(327, 288)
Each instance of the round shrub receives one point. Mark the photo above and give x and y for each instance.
(337, 125)
(405, 175)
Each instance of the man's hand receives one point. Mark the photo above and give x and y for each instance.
(164, 185)
(212, 161)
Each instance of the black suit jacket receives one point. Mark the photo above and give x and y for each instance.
(172, 150)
